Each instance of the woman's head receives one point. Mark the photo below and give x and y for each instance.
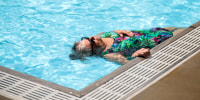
(87, 47)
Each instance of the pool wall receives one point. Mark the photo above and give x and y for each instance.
(88, 91)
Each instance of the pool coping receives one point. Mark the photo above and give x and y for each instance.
(101, 81)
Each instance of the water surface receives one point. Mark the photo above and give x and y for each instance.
(36, 36)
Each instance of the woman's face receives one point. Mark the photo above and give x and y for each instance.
(97, 46)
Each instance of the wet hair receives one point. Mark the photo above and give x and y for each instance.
(79, 51)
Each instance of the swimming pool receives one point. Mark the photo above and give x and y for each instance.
(36, 36)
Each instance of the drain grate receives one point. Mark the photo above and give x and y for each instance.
(120, 86)
(29, 90)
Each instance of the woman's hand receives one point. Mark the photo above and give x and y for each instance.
(124, 32)
(142, 52)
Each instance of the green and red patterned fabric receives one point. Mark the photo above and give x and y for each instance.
(142, 39)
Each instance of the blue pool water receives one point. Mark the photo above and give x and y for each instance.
(36, 36)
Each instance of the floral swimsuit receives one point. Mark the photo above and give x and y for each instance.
(142, 39)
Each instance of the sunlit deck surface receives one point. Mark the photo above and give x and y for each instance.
(181, 84)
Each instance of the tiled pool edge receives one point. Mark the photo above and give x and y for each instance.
(106, 78)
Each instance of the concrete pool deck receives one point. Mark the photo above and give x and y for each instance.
(181, 84)
(123, 83)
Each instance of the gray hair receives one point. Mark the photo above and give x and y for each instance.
(79, 51)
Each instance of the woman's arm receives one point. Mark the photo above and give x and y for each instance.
(123, 60)
(142, 53)
(100, 34)
(116, 58)
(124, 33)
